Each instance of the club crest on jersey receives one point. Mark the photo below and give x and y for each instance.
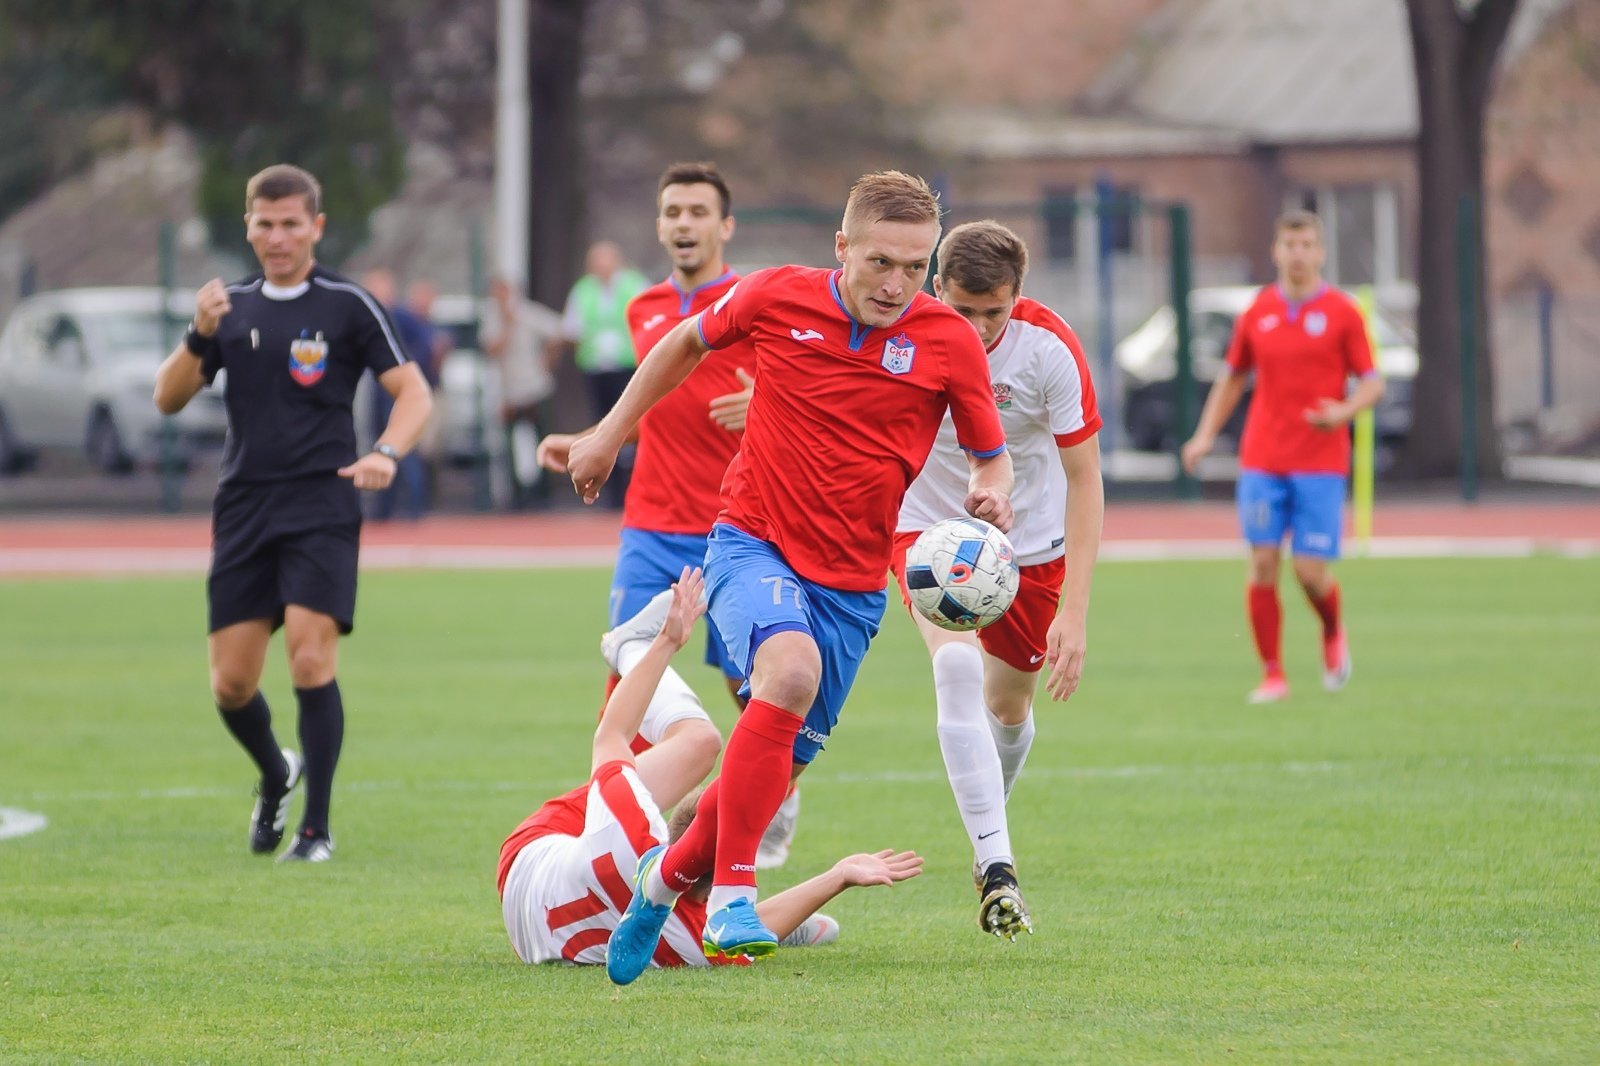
(898, 351)
(1316, 323)
(308, 358)
(1002, 395)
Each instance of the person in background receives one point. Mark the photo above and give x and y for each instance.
(518, 336)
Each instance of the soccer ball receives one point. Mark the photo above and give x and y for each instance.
(961, 574)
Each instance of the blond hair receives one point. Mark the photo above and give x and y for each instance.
(889, 196)
(983, 257)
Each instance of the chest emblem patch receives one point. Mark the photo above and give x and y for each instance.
(898, 352)
(308, 358)
(1316, 323)
(1002, 395)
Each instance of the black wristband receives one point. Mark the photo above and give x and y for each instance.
(199, 345)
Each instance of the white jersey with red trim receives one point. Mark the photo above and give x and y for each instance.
(1046, 400)
(565, 894)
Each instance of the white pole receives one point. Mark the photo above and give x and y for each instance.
(510, 229)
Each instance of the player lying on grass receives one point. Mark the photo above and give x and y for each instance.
(566, 873)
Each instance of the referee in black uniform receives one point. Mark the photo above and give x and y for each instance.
(294, 341)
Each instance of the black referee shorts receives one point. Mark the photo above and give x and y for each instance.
(280, 543)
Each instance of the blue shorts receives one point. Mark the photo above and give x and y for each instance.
(755, 594)
(1311, 506)
(649, 562)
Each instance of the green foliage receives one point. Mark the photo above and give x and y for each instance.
(1402, 872)
(299, 81)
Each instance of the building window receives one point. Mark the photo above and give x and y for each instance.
(1060, 210)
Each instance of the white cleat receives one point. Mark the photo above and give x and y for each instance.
(815, 931)
(773, 850)
(642, 626)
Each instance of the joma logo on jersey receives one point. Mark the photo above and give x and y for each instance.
(898, 351)
(1002, 395)
(308, 358)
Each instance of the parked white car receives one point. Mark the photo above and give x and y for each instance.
(1147, 360)
(77, 373)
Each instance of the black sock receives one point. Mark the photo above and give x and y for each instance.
(321, 736)
(251, 726)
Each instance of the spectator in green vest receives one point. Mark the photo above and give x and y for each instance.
(595, 325)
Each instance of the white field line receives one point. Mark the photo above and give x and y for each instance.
(15, 822)
(930, 776)
(134, 561)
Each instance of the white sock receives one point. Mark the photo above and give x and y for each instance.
(672, 701)
(1013, 743)
(970, 759)
(722, 895)
(655, 888)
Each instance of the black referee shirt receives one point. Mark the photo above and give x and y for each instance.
(294, 357)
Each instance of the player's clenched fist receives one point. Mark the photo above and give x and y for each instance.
(210, 304)
(991, 506)
(589, 462)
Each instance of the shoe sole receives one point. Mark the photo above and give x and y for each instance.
(1004, 914)
(756, 949)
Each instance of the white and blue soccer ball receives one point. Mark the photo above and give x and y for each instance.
(962, 574)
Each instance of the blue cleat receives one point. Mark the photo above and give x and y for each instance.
(635, 938)
(736, 930)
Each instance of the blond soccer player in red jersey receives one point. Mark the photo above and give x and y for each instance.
(855, 368)
(1303, 340)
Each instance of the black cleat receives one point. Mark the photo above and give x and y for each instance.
(1002, 911)
(271, 812)
(309, 845)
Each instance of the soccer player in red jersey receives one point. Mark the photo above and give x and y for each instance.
(564, 872)
(984, 682)
(685, 442)
(855, 369)
(1303, 340)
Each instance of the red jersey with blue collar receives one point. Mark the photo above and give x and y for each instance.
(682, 454)
(843, 418)
(1301, 353)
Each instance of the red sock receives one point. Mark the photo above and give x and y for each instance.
(1266, 623)
(612, 681)
(1327, 609)
(756, 768)
(692, 854)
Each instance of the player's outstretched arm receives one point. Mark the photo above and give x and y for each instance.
(625, 710)
(989, 489)
(662, 370)
(784, 912)
(1067, 641)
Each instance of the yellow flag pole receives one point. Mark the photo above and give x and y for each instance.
(1365, 453)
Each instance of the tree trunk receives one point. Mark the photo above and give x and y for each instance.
(556, 215)
(1454, 57)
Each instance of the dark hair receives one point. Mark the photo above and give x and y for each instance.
(281, 181)
(1298, 219)
(696, 174)
(983, 257)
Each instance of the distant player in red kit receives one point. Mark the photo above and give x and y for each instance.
(1303, 340)
(855, 369)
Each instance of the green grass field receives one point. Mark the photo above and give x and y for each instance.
(1408, 871)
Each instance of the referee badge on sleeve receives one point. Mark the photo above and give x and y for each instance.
(308, 358)
(898, 351)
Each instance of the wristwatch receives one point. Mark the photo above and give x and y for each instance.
(388, 452)
(199, 344)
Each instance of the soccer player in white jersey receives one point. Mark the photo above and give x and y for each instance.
(566, 873)
(984, 682)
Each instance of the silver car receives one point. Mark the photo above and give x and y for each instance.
(77, 370)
